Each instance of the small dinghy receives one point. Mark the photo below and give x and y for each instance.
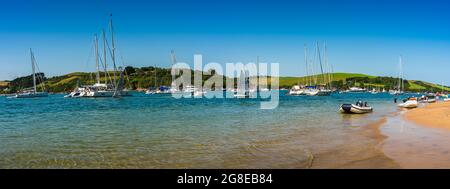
(429, 98)
(409, 103)
(358, 108)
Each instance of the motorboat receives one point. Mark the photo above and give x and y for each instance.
(396, 92)
(324, 92)
(429, 98)
(374, 91)
(409, 103)
(358, 108)
(356, 90)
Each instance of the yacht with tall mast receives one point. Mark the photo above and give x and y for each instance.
(299, 90)
(400, 85)
(243, 89)
(32, 93)
(112, 88)
(325, 88)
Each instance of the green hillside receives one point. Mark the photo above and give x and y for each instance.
(144, 77)
(290, 81)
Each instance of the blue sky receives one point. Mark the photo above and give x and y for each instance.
(361, 36)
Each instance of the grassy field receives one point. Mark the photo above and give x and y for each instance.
(3, 83)
(290, 81)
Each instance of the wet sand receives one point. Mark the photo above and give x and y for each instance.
(436, 115)
(363, 150)
(419, 138)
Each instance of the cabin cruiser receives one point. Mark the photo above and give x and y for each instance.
(356, 90)
(297, 90)
(358, 108)
(409, 103)
(311, 90)
(396, 92)
(324, 92)
(97, 90)
(374, 91)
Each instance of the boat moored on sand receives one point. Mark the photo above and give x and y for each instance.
(409, 103)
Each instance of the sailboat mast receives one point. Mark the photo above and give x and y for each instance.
(257, 79)
(154, 66)
(96, 58)
(320, 62)
(33, 68)
(104, 56)
(306, 65)
(327, 66)
(174, 61)
(113, 48)
(400, 75)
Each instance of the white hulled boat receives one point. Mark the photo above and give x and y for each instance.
(297, 90)
(409, 103)
(356, 90)
(358, 108)
(242, 90)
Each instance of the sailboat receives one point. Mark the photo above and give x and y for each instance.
(325, 90)
(113, 88)
(150, 90)
(399, 90)
(173, 88)
(299, 90)
(32, 93)
(243, 89)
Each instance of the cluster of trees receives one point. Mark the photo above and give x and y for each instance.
(25, 82)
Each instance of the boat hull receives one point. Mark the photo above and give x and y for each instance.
(324, 93)
(297, 93)
(31, 95)
(409, 104)
(353, 109)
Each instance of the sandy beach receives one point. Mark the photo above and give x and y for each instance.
(436, 115)
(419, 138)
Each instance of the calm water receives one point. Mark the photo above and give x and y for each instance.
(158, 131)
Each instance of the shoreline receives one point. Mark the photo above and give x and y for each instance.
(419, 138)
(436, 115)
